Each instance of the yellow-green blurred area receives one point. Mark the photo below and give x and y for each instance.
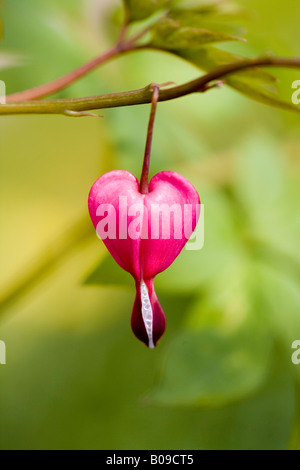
(76, 377)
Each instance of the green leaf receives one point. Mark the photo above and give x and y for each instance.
(279, 295)
(270, 197)
(254, 83)
(141, 9)
(212, 367)
(218, 8)
(278, 298)
(213, 17)
(209, 58)
(258, 93)
(170, 34)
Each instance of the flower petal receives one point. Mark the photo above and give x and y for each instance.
(111, 188)
(173, 206)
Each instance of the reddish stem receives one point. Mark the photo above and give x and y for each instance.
(62, 82)
(144, 185)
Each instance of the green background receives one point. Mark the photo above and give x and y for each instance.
(76, 377)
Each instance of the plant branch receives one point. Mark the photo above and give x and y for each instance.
(142, 96)
(63, 82)
(122, 46)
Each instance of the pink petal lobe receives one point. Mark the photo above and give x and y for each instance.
(173, 206)
(107, 191)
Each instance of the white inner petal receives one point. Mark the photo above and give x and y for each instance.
(147, 313)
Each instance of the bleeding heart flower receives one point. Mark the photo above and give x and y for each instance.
(144, 233)
(145, 226)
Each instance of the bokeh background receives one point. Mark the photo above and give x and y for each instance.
(76, 377)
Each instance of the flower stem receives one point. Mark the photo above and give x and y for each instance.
(144, 185)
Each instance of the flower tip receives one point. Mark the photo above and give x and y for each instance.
(148, 321)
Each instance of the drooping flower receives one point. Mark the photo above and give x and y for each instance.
(144, 233)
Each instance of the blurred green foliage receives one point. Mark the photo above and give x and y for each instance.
(76, 377)
(141, 9)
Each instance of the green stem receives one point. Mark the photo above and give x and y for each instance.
(141, 96)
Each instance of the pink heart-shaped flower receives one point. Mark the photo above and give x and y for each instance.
(144, 233)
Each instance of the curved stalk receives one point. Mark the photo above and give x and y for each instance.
(142, 96)
(144, 185)
(63, 82)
